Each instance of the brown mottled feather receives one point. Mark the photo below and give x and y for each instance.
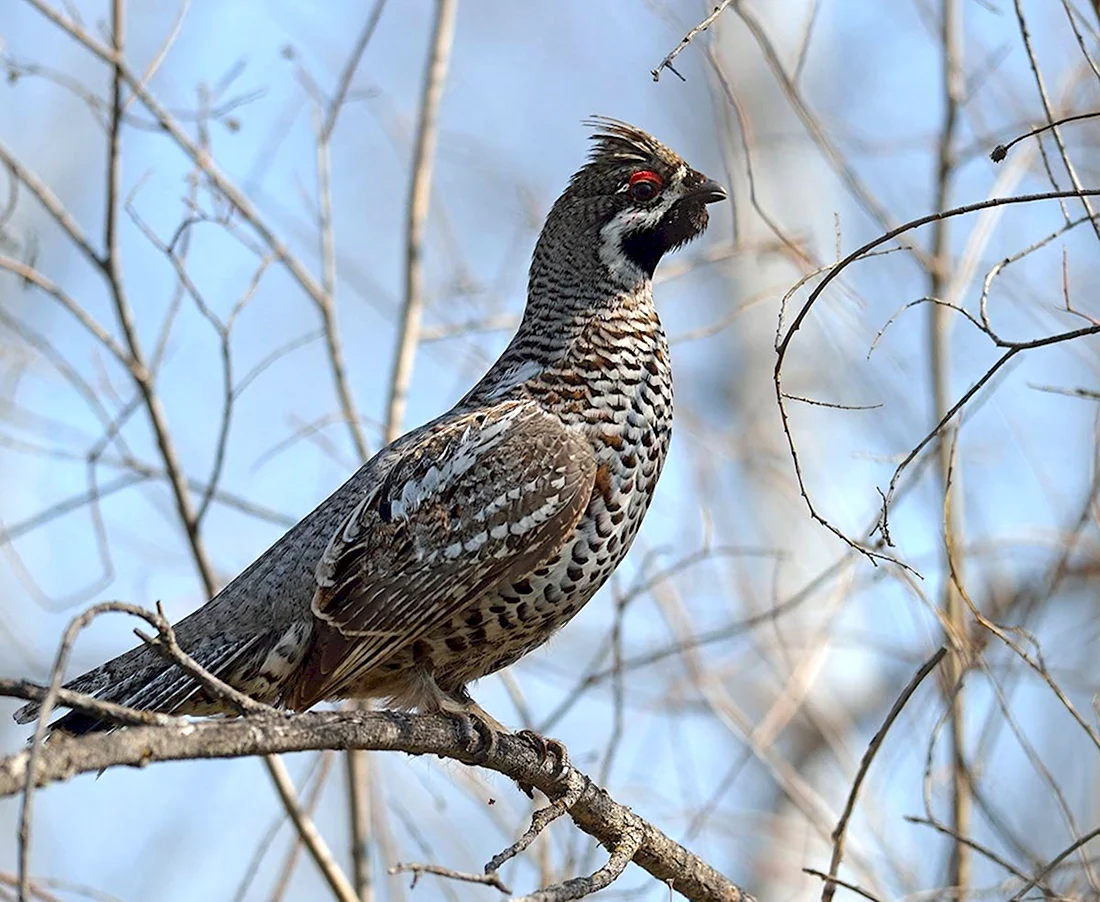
(483, 501)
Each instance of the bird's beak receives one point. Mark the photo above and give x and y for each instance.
(710, 192)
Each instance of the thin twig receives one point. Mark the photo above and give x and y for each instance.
(998, 153)
(832, 881)
(666, 63)
(32, 276)
(357, 767)
(282, 886)
(622, 851)
(120, 714)
(1013, 348)
(111, 266)
(977, 847)
(307, 830)
(166, 642)
(865, 765)
(1078, 843)
(540, 820)
(343, 83)
(170, 125)
(1040, 85)
(837, 161)
(492, 879)
(327, 307)
(322, 765)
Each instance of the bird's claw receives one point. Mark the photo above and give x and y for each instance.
(476, 734)
(547, 748)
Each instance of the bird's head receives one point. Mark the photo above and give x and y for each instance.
(633, 201)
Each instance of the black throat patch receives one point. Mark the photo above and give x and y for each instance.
(645, 247)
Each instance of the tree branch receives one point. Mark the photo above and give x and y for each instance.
(594, 811)
(420, 189)
(666, 63)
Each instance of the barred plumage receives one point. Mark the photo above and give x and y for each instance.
(467, 542)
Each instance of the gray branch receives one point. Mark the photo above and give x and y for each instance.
(594, 811)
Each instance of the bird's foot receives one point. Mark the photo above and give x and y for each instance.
(546, 749)
(477, 734)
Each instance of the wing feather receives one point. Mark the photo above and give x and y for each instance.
(477, 501)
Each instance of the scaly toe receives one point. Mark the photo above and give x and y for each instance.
(476, 735)
(546, 748)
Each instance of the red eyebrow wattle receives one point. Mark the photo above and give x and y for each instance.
(646, 175)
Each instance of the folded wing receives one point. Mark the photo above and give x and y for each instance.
(478, 500)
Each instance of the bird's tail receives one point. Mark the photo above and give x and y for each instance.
(143, 678)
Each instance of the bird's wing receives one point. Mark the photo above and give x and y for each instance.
(480, 499)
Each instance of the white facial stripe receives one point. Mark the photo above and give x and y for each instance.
(622, 269)
(625, 223)
(635, 220)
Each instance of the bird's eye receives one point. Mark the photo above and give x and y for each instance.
(644, 186)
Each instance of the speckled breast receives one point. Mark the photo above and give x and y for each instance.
(620, 396)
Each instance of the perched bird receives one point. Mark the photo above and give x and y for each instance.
(469, 541)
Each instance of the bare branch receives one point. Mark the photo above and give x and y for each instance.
(32, 276)
(435, 76)
(940, 276)
(622, 851)
(865, 765)
(1013, 347)
(594, 811)
(417, 870)
(666, 63)
(202, 159)
(311, 836)
(831, 882)
(1040, 84)
(336, 103)
(998, 153)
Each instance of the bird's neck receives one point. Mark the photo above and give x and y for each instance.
(556, 326)
(568, 326)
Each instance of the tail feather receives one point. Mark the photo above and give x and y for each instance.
(172, 686)
(141, 678)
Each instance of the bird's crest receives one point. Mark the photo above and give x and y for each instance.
(617, 143)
